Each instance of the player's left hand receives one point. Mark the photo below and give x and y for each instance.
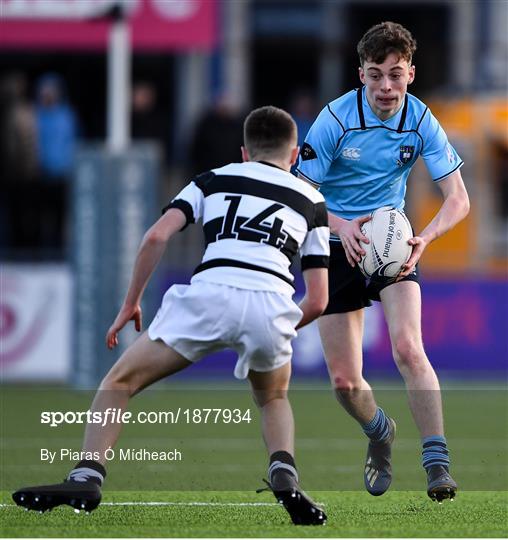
(419, 244)
(126, 314)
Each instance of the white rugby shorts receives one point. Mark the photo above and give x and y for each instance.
(201, 318)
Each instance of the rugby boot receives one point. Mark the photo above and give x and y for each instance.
(80, 495)
(440, 485)
(377, 474)
(300, 507)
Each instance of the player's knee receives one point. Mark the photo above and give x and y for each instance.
(345, 385)
(409, 354)
(263, 397)
(119, 380)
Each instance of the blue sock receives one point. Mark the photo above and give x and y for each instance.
(378, 428)
(435, 452)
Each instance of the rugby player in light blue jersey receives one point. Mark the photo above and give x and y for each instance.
(359, 153)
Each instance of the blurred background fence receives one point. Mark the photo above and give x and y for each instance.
(74, 205)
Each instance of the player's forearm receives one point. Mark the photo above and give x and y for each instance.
(149, 255)
(316, 296)
(150, 252)
(454, 209)
(312, 309)
(335, 223)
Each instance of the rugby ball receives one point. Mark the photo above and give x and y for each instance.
(388, 232)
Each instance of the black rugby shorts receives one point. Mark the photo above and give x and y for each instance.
(348, 288)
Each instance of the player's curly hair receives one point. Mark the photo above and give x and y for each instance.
(268, 131)
(383, 39)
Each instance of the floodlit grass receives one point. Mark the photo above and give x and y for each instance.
(238, 514)
(211, 491)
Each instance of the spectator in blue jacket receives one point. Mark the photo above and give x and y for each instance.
(57, 134)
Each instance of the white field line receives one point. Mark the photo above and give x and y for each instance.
(165, 503)
(232, 468)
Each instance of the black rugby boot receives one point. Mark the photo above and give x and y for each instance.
(300, 507)
(377, 474)
(80, 495)
(440, 485)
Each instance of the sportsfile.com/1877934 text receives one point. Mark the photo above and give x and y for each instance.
(119, 416)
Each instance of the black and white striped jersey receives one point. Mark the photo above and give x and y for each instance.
(256, 218)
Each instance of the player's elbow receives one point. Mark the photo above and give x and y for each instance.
(317, 305)
(461, 205)
(154, 237)
(460, 199)
(465, 204)
(316, 297)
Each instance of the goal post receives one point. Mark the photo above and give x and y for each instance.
(114, 202)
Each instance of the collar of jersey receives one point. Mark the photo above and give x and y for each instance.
(371, 119)
(271, 165)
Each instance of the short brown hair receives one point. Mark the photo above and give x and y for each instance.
(268, 131)
(384, 39)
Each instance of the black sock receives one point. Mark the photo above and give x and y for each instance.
(282, 460)
(283, 457)
(88, 470)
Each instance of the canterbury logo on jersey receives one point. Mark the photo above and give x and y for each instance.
(351, 153)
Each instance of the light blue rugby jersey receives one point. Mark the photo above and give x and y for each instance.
(361, 163)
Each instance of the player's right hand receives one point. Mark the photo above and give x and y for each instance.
(350, 235)
(126, 314)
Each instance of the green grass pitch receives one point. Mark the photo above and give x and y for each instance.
(243, 514)
(211, 492)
